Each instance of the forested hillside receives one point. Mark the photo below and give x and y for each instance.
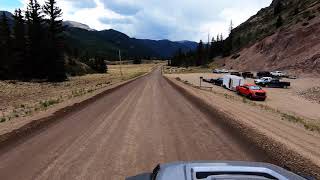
(107, 43)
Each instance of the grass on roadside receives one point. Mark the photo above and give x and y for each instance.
(41, 96)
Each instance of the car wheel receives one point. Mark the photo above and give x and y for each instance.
(250, 96)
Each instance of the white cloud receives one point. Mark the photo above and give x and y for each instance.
(162, 19)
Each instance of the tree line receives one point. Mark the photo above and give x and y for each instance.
(205, 52)
(33, 46)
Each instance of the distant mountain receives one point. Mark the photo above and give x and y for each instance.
(75, 24)
(190, 44)
(166, 48)
(9, 15)
(108, 42)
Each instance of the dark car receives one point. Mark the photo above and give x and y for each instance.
(247, 75)
(217, 82)
(276, 83)
(236, 73)
(263, 74)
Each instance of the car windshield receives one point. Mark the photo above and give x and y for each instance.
(254, 87)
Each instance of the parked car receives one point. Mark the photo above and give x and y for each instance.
(278, 74)
(247, 75)
(263, 80)
(217, 71)
(263, 74)
(224, 71)
(235, 73)
(252, 91)
(231, 82)
(217, 82)
(276, 83)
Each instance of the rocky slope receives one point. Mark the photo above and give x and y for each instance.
(77, 25)
(294, 47)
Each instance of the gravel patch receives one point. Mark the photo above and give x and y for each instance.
(312, 94)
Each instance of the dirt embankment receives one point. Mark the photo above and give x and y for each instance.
(295, 49)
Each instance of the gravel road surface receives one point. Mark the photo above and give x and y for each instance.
(124, 133)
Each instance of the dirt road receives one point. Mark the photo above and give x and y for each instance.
(121, 134)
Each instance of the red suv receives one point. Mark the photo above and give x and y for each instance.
(252, 92)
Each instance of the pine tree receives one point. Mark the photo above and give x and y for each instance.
(230, 43)
(55, 42)
(101, 66)
(36, 38)
(200, 54)
(212, 48)
(19, 44)
(277, 7)
(279, 22)
(220, 44)
(5, 47)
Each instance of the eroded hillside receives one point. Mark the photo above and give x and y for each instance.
(294, 46)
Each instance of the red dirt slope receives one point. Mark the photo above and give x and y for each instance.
(295, 49)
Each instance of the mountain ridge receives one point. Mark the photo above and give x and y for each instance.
(107, 42)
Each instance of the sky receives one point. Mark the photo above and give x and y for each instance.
(156, 19)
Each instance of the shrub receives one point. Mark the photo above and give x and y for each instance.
(3, 119)
(305, 24)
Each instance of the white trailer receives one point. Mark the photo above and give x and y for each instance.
(231, 82)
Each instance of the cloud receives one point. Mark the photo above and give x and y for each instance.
(182, 19)
(83, 3)
(115, 21)
(162, 19)
(124, 7)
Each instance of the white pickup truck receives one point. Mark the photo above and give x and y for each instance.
(278, 74)
(263, 80)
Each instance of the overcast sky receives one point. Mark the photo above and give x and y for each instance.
(156, 19)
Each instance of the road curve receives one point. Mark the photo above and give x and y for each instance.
(122, 134)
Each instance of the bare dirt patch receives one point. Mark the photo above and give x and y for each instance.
(313, 94)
